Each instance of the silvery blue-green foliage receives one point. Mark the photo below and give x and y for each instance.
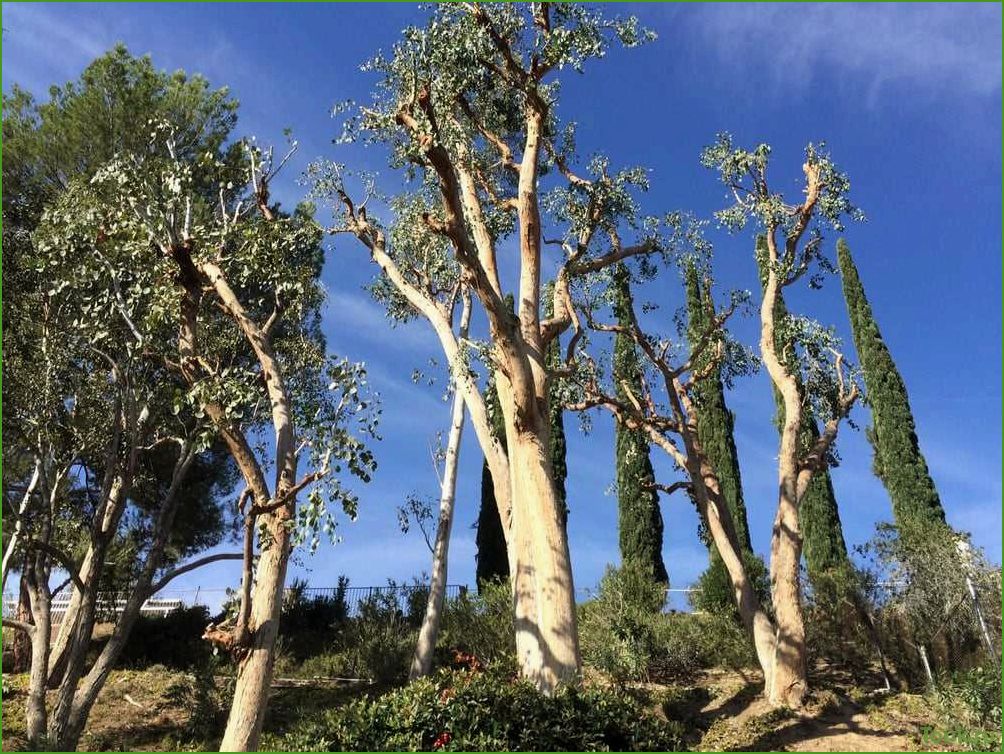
(681, 242)
(107, 248)
(745, 173)
(800, 252)
(456, 92)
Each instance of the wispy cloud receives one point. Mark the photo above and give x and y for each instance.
(56, 47)
(356, 315)
(933, 48)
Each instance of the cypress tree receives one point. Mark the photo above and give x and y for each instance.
(639, 516)
(715, 423)
(556, 407)
(898, 461)
(715, 428)
(823, 544)
(492, 560)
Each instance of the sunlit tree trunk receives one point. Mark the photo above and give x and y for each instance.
(421, 663)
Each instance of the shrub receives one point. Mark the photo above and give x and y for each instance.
(174, 640)
(713, 591)
(207, 703)
(617, 629)
(481, 625)
(463, 711)
(973, 696)
(310, 623)
(623, 634)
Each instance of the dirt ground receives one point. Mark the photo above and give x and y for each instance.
(720, 710)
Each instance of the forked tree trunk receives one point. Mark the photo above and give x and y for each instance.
(421, 663)
(254, 674)
(715, 514)
(90, 686)
(788, 679)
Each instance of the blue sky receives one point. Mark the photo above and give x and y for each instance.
(908, 98)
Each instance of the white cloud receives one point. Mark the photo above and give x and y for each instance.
(358, 316)
(932, 48)
(45, 48)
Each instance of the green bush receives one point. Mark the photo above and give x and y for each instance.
(463, 711)
(481, 625)
(173, 640)
(974, 696)
(623, 633)
(617, 629)
(310, 623)
(206, 701)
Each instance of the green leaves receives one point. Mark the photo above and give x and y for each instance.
(745, 173)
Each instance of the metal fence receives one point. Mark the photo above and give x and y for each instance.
(401, 597)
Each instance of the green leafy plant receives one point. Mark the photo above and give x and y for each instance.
(464, 711)
(206, 699)
(481, 625)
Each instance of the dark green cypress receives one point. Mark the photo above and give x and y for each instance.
(715, 423)
(639, 516)
(715, 428)
(492, 560)
(556, 407)
(823, 544)
(898, 461)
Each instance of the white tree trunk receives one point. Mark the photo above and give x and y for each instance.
(547, 637)
(421, 663)
(19, 521)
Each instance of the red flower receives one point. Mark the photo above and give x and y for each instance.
(441, 740)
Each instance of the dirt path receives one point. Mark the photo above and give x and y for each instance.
(736, 718)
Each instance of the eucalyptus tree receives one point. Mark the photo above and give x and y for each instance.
(492, 560)
(421, 663)
(716, 425)
(92, 458)
(826, 558)
(467, 107)
(813, 373)
(46, 146)
(221, 291)
(662, 405)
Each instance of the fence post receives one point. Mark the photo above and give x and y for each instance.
(984, 631)
(927, 665)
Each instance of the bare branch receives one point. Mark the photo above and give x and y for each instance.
(180, 570)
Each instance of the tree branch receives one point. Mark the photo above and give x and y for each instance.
(175, 573)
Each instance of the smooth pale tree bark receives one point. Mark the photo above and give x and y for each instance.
(640, 412)
(421, 663)
(257, 628)
(77, 691)
(93, 682)
(789, 682)
(15, 537)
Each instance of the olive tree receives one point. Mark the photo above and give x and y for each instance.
(467, 107)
